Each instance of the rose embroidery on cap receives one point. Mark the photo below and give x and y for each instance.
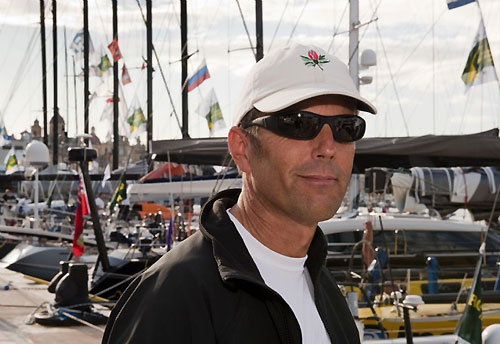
(312, 59)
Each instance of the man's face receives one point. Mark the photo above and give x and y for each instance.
(304, 180)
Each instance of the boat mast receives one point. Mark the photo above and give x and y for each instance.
(67, 82)
(116, 138)
(74, 92)
(55, 121)
(86, 68)
(149, 39)
(44, 72)
(353, 189)
(184, 72)
(259, 31)
(354, 41)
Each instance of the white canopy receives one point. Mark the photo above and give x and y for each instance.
(147, 192)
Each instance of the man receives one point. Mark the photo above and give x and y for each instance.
(255, 271)
(99, 203)
(8, 196)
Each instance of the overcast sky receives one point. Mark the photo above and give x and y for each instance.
(421, 48)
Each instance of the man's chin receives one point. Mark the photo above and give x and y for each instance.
(315, 215)
(326, 216)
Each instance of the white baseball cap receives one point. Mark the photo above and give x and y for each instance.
(292, 74)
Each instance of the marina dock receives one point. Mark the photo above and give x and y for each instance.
(19, 298)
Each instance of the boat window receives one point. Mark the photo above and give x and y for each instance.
(493, 242)
(416, 242)
(427, 241)
(454, 287)
(343, 242)
(442, 288)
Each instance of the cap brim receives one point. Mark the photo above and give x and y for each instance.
(287, 97)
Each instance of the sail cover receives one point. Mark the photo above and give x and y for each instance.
(481, 149)
(448, 189)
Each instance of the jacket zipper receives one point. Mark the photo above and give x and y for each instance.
(321, 315)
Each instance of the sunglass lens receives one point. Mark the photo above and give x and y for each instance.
(299, 126)
(349, 129)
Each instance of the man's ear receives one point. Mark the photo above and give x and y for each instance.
(239, 145)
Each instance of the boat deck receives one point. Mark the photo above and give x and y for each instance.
(21, 298)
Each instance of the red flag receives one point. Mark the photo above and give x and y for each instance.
(143, 66)
(83, 199)
(125, 76)
(81, 210)
(115, 50)
(110, 100)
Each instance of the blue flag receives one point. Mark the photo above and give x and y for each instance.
(198, 77)
(169, 234)
(457, 3)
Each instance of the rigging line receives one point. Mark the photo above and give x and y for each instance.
(26, 103)
(49, 70)
(490, 220)
(412, 52)
(11, 43)
(161, 72)
(443, 85)
(195, 26)
(484, 26)
(72, 317)
(222, 176)
(298, 20)
(129, 42)
(162, 37)
(168, 45)
(20, 71)
(433, 75)
(175, 13)
(7, 14)
(163, 30)
(336, 30)
(66, 77)
(28, 64)
(215, 15)
(463, 113)
(246, 29)
(392, 79)
(228, 33)
(102, 22)
(386, 247)
(447, 105)
(278, 26)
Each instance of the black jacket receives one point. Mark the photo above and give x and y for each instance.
(209, 290)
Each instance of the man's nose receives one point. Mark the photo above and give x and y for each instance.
(325, 144)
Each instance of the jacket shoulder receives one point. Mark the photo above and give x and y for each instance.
(185, 258)
(167, 298)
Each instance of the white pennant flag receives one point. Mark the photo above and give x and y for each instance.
(210, 109)
(76, 45)
(107, 175)
(480, 67)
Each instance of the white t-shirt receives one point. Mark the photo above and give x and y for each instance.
(290, 278)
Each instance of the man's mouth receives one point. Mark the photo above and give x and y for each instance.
(319, 179)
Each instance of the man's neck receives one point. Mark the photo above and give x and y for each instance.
(273, 229)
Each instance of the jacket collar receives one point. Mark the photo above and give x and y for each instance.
(230, 253)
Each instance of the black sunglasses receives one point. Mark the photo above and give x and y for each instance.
(304, 125)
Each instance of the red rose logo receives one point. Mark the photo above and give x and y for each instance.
(312, 55)
(312, 59)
